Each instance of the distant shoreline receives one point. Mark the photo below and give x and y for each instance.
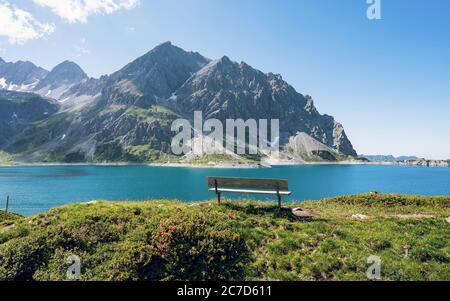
(222, 165)
(125, 164)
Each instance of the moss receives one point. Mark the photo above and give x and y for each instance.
(168, 240)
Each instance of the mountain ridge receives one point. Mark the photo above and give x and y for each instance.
(127, 115)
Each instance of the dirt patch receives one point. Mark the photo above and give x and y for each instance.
(305, 213)
(6, 228)
(360, 216)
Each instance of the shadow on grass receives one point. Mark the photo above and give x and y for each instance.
(265, 211)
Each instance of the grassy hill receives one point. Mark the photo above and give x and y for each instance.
(165, 240)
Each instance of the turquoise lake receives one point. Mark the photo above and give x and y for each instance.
(37, 189)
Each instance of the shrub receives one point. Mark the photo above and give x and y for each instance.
(171, 245)
(184, 247)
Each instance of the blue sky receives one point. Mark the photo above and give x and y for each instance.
(387, 81)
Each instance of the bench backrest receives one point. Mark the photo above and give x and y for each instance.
(275, 184)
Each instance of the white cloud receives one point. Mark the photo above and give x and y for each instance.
(19, 26)
(80, 48)
(75, 11)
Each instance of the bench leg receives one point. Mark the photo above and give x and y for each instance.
(218, 197)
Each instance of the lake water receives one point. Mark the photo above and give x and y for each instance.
(37, 189)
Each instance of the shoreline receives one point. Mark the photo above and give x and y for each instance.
(223, 165)
(125, 164)
(236, 165)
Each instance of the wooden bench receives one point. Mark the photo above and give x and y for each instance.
(276, 187)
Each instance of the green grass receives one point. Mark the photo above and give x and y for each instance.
(168, 240)
(128, 86)
(153, 113)
(144, 153)
(42, 132)
(6, 158)
(9, 218)
(326, 156)
(217, 159)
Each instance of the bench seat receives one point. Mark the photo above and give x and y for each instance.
(246, 191)
(277, 187)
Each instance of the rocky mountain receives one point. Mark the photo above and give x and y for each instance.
(127, 115)
(161, 71)
(224, 89)
(89, 86)
(20, 75)
(66, 73)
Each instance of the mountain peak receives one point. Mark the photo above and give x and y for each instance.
(67, 62)
(25, 64)
(164, 47)
(161, 71)
(66, 73)
(225, 60)
(168, 50)
(21, 72)
(67, 65)
(165, 44)
(218, 64)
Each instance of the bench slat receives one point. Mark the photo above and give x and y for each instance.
(246, 191)
(248, 183)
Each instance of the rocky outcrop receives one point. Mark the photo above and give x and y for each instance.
(341, 143)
